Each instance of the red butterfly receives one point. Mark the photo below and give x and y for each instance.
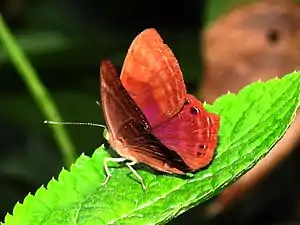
(150, 117)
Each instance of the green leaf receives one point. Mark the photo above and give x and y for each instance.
(251, 123)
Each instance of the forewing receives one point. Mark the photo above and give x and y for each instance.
(129, 129)
(192, 133)
(152, 76)
(118, 107)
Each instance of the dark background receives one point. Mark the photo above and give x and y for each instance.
(65, 41)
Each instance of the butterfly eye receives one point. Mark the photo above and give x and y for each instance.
(194, 110)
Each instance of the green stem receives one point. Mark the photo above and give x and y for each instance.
(37, 90)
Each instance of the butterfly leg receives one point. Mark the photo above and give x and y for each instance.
(129, 165)
(106, 160)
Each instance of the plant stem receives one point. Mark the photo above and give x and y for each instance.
(37, 90)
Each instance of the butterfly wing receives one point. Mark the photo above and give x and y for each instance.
(192, 133)
(152, 77)
(128, 127)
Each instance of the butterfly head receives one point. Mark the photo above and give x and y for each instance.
(106, 134)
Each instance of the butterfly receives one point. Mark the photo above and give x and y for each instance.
(149, 115)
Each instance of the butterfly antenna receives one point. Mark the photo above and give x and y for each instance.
(98, 103)
(74, 123)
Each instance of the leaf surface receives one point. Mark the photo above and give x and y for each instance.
(252, 121)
